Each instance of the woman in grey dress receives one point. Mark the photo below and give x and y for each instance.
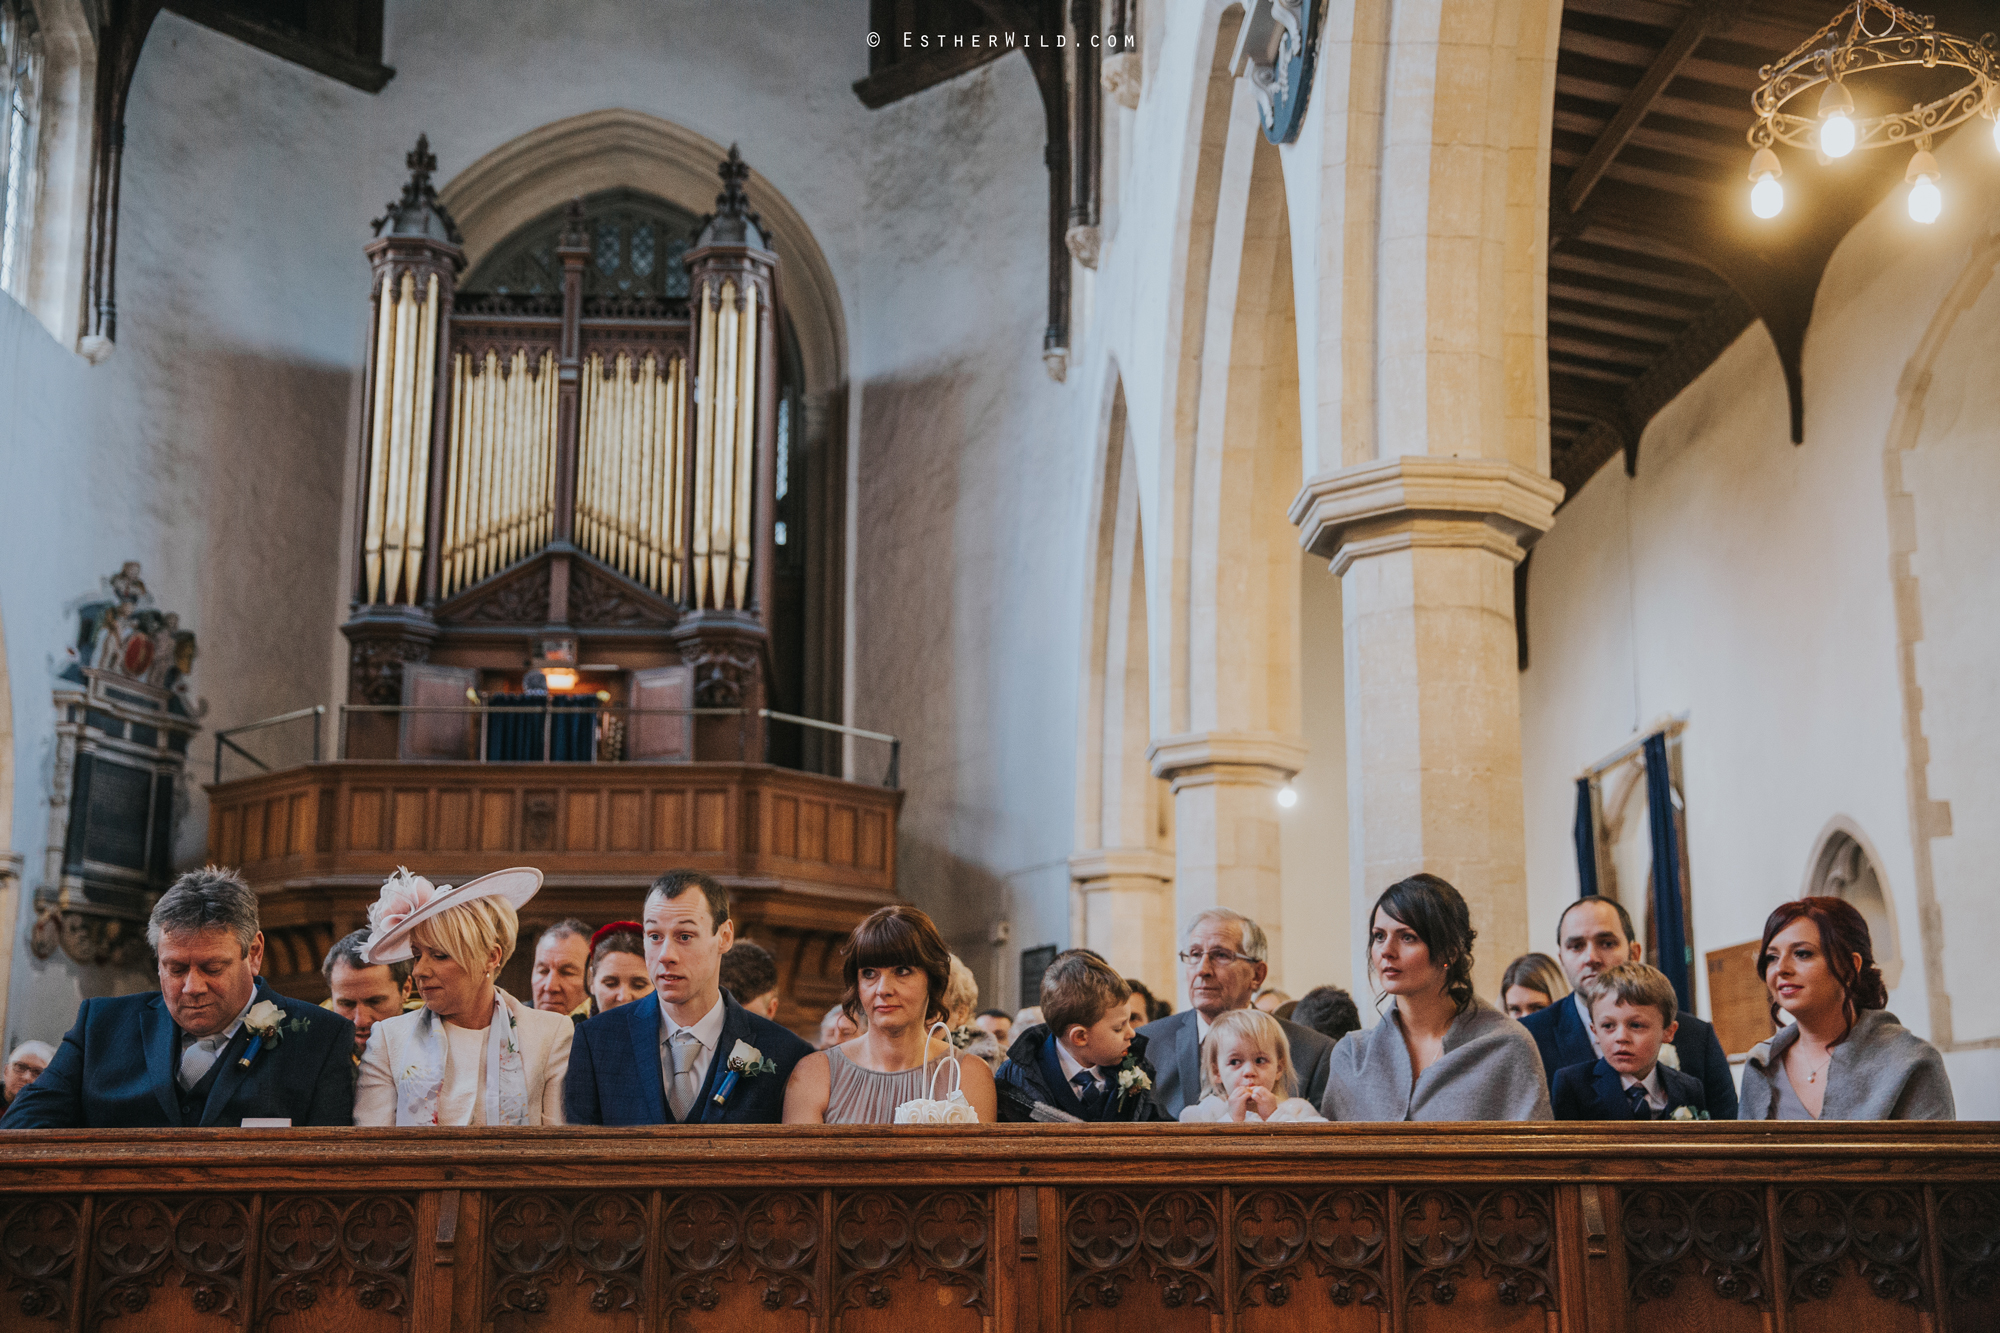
(1440, 1052)
(896, 968)
(1843, 1056)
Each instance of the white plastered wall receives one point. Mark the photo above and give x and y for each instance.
(1747, 582)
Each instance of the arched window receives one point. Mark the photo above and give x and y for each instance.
(1842, 868)
(20, 119)
(637, 244)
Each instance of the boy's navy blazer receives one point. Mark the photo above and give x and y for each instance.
(1558, 1031)
(1596, 1091)
(116, 1070)
(615, 1079)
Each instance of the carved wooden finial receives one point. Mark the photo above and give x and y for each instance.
(418, 206)
(727, 224)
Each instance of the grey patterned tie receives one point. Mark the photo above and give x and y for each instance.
(199, 1057)
(682, 1088)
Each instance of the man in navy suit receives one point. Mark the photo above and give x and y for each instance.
(214, 1047)
(1593, 935)
(1633, 1011)
(666, 1060)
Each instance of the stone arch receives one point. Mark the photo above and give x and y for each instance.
(601, 150)
(1971, 1017)
(1844, 865)
(1122, 870)
(1237, 464)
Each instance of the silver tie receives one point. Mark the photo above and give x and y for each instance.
(199, 1056)
(683, 1088)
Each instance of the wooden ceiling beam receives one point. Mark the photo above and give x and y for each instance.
(1706, 17)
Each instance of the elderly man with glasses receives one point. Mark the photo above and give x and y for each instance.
(1223, 955)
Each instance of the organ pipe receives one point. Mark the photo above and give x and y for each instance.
(629, 483)
(500, 504)
(399, 438)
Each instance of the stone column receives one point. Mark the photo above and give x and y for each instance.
(1425, 549)
(1124, 910)
(1226, 834)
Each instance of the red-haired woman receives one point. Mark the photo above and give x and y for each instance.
(1844, 1056)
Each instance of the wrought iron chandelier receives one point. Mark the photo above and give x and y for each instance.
(1868, 37)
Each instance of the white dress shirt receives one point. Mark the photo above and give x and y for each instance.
(707, 1030)
(1589, 1028)
(1071, 1067)
(199, 1055)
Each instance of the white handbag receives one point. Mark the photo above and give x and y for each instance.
(952, 1108)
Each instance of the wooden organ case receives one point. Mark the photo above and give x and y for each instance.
(563, 584)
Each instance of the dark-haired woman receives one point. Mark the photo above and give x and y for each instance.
(617, 972)
(896, 968)
(1843, 1056)
(1440, 1052)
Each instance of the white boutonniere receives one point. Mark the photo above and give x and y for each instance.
(267, 1025)
(745, 1061)
(1687, 1113)
(1131, 1080)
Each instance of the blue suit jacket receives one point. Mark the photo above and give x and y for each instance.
(1558, 1031)
(116, 1067)
(1596, 1091)
(614, 1070)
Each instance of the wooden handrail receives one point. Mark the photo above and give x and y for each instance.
(1005, 1229)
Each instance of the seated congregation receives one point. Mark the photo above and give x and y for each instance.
(666, 1021)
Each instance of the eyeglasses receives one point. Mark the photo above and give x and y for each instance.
(1220, 957)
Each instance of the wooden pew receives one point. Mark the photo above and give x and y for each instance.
(1720, 1228)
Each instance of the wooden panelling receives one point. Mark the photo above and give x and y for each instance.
(840, 835)
(496, 821)
(364, 819)
(303, 809)
(411, 834)
(454, 820)
(580, 821)
(812, 831)
(1865, 1228)
(711, 821)
(254, 816)
(671, 832)
(626, 822)
(874, 841)
(784, 827)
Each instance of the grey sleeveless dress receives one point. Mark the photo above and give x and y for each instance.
(857, 1096)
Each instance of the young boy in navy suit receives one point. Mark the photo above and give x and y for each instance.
(1084, 1062)
(1632, 1009)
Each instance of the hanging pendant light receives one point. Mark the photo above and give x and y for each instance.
(1926, 201)
(1767, 197)
(1867, 37)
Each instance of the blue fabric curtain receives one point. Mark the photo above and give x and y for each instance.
(515, 736)
(1586, 842)
(1669, 926)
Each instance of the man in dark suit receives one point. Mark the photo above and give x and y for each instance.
(1595, 934)
(1596, 1091)
(214, 1047)
(674, 1058)
(1224, 954)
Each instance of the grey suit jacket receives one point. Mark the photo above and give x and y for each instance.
(1176, 1054)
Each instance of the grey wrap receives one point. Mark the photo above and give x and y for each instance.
(1490, 1070)
(1880, 1071)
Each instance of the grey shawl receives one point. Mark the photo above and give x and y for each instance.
(1175, 1051)
(1490, 1070)
(1879, 1071)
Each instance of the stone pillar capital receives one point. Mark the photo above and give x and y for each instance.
(1265, 757)
(1120, 867)
(1412, 500)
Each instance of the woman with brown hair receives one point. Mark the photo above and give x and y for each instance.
(1843, 1056)
(617, 973)
(897, 971)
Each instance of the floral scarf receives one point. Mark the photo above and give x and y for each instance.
(421, 1084)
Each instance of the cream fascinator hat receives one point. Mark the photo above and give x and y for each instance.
(408, 901)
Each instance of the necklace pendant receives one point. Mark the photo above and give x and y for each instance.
(1813, 1077)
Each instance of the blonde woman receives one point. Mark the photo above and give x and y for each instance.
(473, 1055)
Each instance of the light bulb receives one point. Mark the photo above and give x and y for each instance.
(1288, 796)
(1767, 197)
(1836, 135)
(1925, 201)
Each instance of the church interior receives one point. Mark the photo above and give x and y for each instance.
(1064, 464)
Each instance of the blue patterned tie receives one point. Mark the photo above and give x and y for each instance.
(1088, 1092)
(1636, 1095)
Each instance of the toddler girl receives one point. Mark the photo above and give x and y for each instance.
(1246, 1074)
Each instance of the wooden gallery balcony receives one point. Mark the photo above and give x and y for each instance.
(1721, 1228)
(805, 856)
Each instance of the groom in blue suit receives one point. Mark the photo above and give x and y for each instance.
(1593, 935)
(688, 1054)
(213, 1047)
